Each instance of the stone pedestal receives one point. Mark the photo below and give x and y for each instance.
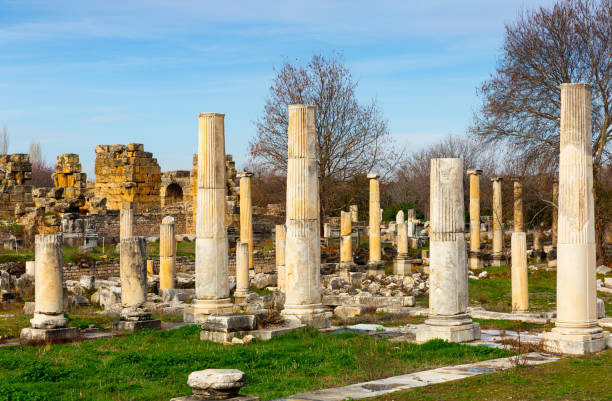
(375, 263)
(48, 322)
(212, 274)
(279, 249)
(242, 272)
(167, 254)
(497, 255)
(576, 331)
(133, 273)
(346, 244)
(475, 256)
(246, 214)
(302, 245)
(448, 282)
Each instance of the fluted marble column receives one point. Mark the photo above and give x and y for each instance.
(346, 242)
(167, 254)
(375, 264)
(302, 244)
(475, 259)
(520, 289)
(48, 322)
(242, 272)
(246, 213)
(576, 330)
(498, 224)
(448, 280)
(126, 220)
(279, 250)
(212, 287)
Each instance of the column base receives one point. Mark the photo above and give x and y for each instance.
(311, 315)
(31, 334)
(475, 260)
(344, 268)
(376, 268)
(132, 326)
(202, 308)
(402, 267)
(48, 321)
(575, 341)
(458, 330)
(498, 261)
(240, 297)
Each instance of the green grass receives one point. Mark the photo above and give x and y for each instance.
(186, 249)
(154, 365)
(567, 379)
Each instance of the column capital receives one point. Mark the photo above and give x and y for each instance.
(244, 174)
(211, 115)
(516, 179)
(497, 179)
(373, 176)
(474, 172)
(301, 106)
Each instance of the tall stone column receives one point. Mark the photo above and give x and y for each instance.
(354, 210)
(49, 321)
(448, 280)
(133, 272)
(126, 220)
(475, 259)
(279, 250)
(555, 214)
(302, 244)
(346, 243)
(401, 264)
(520, 289)
(498, 224)
(167, 254)
(246, 213)
(375, 264)
(212, 273)
(576, 330)
(242, 272)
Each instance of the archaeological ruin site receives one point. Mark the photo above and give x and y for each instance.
(333, 263)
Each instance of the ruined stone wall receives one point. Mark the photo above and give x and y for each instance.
(126, 173)
(176, 187)
(15, 185)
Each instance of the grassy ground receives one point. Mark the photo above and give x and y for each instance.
(154, 365)
(568, 379)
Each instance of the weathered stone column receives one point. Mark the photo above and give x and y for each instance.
(375, 264)
(326, 231)
(354, 210)
(167, 254)
(49, 321)
(279, 250)
(302, 245)
(538, 246)
(126, 220)
(401, 264)
(212, 273)
(242, 272)
(346, 243)
(150, 266)
(576, 330)
(30, 266)
(133, 272)
(475, 259)
(448, 280)
(555, 213)
(498, 224)
(520, 289)
(246, 213)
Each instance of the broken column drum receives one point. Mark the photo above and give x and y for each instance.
(302, 244)
(126, 220)
(576, 330)
(375, 265)
(167, 254)
(520, 289)
(498, 229)
(279, 250)
(475, 257)
(242, 272)
(448, 282)
(346, 241)
(246, 213)
(211, 262)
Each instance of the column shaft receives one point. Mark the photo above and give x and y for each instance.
(520, 288)
(346, 241)
(48, 282)
(374, 227)
(167, 254)
(133, 271)
(498, 230)
(126, 220)
(279, 249)
(242, 270)
(246, 214)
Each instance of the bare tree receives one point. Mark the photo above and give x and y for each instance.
(42, 172)
(352, 138)
(543, 48)
(4, 141)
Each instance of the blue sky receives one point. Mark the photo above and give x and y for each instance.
(75, 74)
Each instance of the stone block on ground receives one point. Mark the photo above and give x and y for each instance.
(230, 323)
(30, 334)
(132, 326)
(347, 312)
(216, 384)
